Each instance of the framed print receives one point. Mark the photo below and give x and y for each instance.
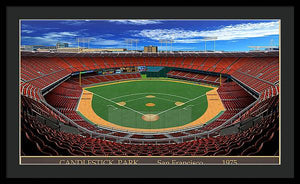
(124, 92)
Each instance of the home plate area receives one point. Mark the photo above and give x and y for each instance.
(150, 117)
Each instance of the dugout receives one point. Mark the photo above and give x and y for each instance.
(156, 71)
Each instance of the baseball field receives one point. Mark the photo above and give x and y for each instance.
(150, 105)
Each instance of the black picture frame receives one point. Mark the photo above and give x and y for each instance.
(9, 129)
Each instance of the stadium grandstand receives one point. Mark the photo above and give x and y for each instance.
(51, 86)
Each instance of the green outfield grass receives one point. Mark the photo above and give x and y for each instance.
(136, 95)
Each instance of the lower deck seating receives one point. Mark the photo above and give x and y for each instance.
(92, 79)
(210, 79)
(234, 99)
(261, 139)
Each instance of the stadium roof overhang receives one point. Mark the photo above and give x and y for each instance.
(158, 54)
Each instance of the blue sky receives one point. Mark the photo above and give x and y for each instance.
(187, 35)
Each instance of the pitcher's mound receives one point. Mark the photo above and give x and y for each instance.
(121, 103)
(179, 103)
(150, 117)
(150, 104)
(150, 96)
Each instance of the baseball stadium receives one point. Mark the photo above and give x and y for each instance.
(130, 103)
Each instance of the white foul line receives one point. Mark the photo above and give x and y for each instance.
(179, 106)
(166, 99)
(187, 106)
(115, 103)
(113, 107)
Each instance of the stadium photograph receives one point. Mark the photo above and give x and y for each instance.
(150, 88)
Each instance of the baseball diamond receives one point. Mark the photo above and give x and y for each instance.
(175, 104)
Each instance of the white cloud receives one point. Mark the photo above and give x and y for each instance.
(53, 35)
(25, 26)
(48, 28)
(232, 32)
(106, 35)
(188, 40)
(136, 22)
(38, 40)
(27, 31)
(50, 38)
(74, 22)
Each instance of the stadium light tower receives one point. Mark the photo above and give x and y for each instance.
(271, 42)
(171, 41)
(161, 41)
(215, 43)
(136, 42)
(164, 41)
(130, 41)
(126, 41)
(89, 40)
(127, 44)
(84, 40)
(212, 38)
(78, 43)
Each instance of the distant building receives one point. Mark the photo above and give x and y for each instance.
(150, 48)
(104, 50)
(64, 47)
(37, 47)
(27, 47)
(266, 48)
(81, 49)
(61, 45)
(69, 49)
(46, 49)
(272, 49)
